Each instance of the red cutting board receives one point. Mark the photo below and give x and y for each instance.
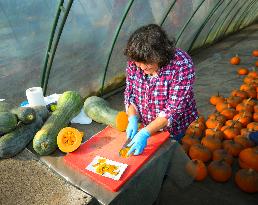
(107, 143)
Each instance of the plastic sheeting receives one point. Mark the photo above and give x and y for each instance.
(97, 30)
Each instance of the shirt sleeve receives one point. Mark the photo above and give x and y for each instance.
(129, 97)
(180, 90)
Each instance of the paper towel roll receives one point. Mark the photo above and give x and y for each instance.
(35, 96)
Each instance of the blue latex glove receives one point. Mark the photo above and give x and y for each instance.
(254, 137)
(132, 126)
(139, 142)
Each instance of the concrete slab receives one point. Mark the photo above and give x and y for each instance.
(25, 180)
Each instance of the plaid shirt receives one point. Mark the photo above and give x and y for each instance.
(168, 94)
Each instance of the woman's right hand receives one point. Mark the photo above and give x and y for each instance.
(132, 127)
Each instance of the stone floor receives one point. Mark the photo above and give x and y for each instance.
(25, 180)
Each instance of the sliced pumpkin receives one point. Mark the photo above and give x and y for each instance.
(69, 139)
(121, 121)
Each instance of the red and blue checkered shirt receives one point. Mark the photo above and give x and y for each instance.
(168, 94)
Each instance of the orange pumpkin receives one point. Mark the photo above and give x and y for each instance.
(244, 132)
(220, 171)
(252, 93)
(235, 60)
(242, 71)
(255, 108)
(215, 99)
(221, 154)
(247, 180)
(211, 142)
(256, 63)
(253, 73)
(212, 123)
(244, 107)
(249, 101)
(218, 117)
(214, 132)
(243, 118)
(190, 140)
(248, 158)
(239, 93)
(222, 106)
(229, 113)
(195, 130)
(232, 147)
(248, 80)
(244, 141)
(253, 126)
(255, 53)
(197, 169)
(230, 132)
(233, 101)
(234, 123)
(198, 151)
(255, 117)
(244, 113)
(245, 87)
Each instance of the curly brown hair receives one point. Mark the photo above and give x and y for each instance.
(150, 44)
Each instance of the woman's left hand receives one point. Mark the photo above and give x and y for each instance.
(139, 142)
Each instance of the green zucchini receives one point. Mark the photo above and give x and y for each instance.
(8, 122)
(99, 110)
(5, 107)
(14, 142)
(25, 114)
(68, 106)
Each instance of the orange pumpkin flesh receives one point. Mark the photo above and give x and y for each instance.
(121, 121)
(69, 139)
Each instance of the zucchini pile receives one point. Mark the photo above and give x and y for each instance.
(18, 125)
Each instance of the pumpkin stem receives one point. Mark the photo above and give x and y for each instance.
(247, 101)
(215, 129)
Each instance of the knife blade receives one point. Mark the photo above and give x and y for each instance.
(123, 151)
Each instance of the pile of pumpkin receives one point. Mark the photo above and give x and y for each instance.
(214, 144)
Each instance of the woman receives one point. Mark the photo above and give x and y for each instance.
(159, 87)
